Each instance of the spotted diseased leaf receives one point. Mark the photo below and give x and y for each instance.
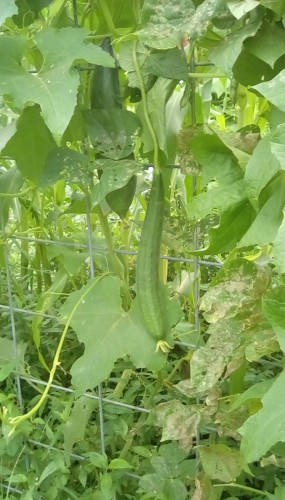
(164, 22)
(204, 489)
(232, 306)
(236, 288)
(260, 342)
(112, 131)
(208, 363)
(179, 422)
(67, 164)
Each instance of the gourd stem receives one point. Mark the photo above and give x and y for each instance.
(145, 108)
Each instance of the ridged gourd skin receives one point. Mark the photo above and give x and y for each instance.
(147, 272)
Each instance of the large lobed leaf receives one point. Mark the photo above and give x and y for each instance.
(108, 332)
(54, 87)
(264, 429)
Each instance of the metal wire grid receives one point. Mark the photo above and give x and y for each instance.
(12, 309)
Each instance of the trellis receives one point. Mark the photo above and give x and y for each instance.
(11, 308)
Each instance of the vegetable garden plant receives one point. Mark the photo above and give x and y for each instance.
(131, 130)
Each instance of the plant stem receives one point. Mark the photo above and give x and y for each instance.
(116, 263)
(142, 418)
(145, 108)
(206, 75)
(241, 486)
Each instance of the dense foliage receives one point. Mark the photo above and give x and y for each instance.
(96, 98)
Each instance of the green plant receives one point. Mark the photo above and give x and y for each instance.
(161, 378)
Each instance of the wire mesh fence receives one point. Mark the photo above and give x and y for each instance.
(11, 308)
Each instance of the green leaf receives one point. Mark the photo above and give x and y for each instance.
(264, 429)
(6, 133)
(217, 160)
(157, 98)
(221, 462)
(268, 44)
(278, 248)
(67, 164)
(119, 463)
(233, 224)
(142, 451)
(264, 228)
(225, 54)
(220, 197)
(152, 483)
(116, 174)
(31, 144)
(108, 332)
(277, 144)
(8, 10)
(112, 131)
(11, 358)
(55, 85)
(175, 488)
(97, 459)
(49, 469)
(273, 306)
(120, 200)
(275, 5)
(274, 90)
(75, 426)
(239, 8)
(262, 166)
(173, 453)
(168, 64)
(70, 262)
(172, 18)
(256, 391)
(127, 63)
(11, 182)
(122, 13)
(250, 70)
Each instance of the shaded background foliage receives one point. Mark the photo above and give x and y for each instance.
(204, 421)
